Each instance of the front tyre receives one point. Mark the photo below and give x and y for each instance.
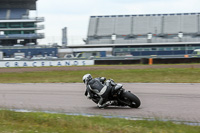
(131, 100)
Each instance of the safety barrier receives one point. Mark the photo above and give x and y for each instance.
(149, 61)
(41, 63)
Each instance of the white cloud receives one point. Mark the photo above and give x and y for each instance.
(178, 6)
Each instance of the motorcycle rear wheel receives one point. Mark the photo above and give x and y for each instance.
(132, 100)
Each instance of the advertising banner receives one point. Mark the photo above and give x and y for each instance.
(41, 63)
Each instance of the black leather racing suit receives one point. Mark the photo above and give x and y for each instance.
(97, 86)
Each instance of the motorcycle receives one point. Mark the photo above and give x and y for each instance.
(120, 97)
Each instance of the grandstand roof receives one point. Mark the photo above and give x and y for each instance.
(144, 28)
(140, 15)
(25, 4)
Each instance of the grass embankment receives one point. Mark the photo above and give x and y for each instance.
(15, 122)
(163, 75)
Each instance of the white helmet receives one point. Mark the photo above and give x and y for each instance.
(86, 78)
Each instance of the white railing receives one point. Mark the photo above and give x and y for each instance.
(37, 19)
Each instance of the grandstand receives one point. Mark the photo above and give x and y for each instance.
(146, 34)
(144, 28)
(15, 24)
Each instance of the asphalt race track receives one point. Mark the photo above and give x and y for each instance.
(166, 101)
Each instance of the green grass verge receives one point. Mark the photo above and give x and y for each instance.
(164, 75)
(15, 122)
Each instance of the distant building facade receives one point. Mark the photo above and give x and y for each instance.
(16, 27)
(19, 32)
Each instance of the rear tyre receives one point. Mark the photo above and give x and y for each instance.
(132, 100)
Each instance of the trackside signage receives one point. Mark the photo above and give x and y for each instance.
(46, 63)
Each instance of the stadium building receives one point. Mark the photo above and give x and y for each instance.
(145, 34)
(15, 24)
(19, 32)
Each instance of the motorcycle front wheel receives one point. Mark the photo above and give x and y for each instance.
(131, 100)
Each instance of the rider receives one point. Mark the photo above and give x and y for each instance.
(100, 87)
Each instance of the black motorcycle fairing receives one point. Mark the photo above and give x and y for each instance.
(120, 96)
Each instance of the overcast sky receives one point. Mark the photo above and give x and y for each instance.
(75, 14)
